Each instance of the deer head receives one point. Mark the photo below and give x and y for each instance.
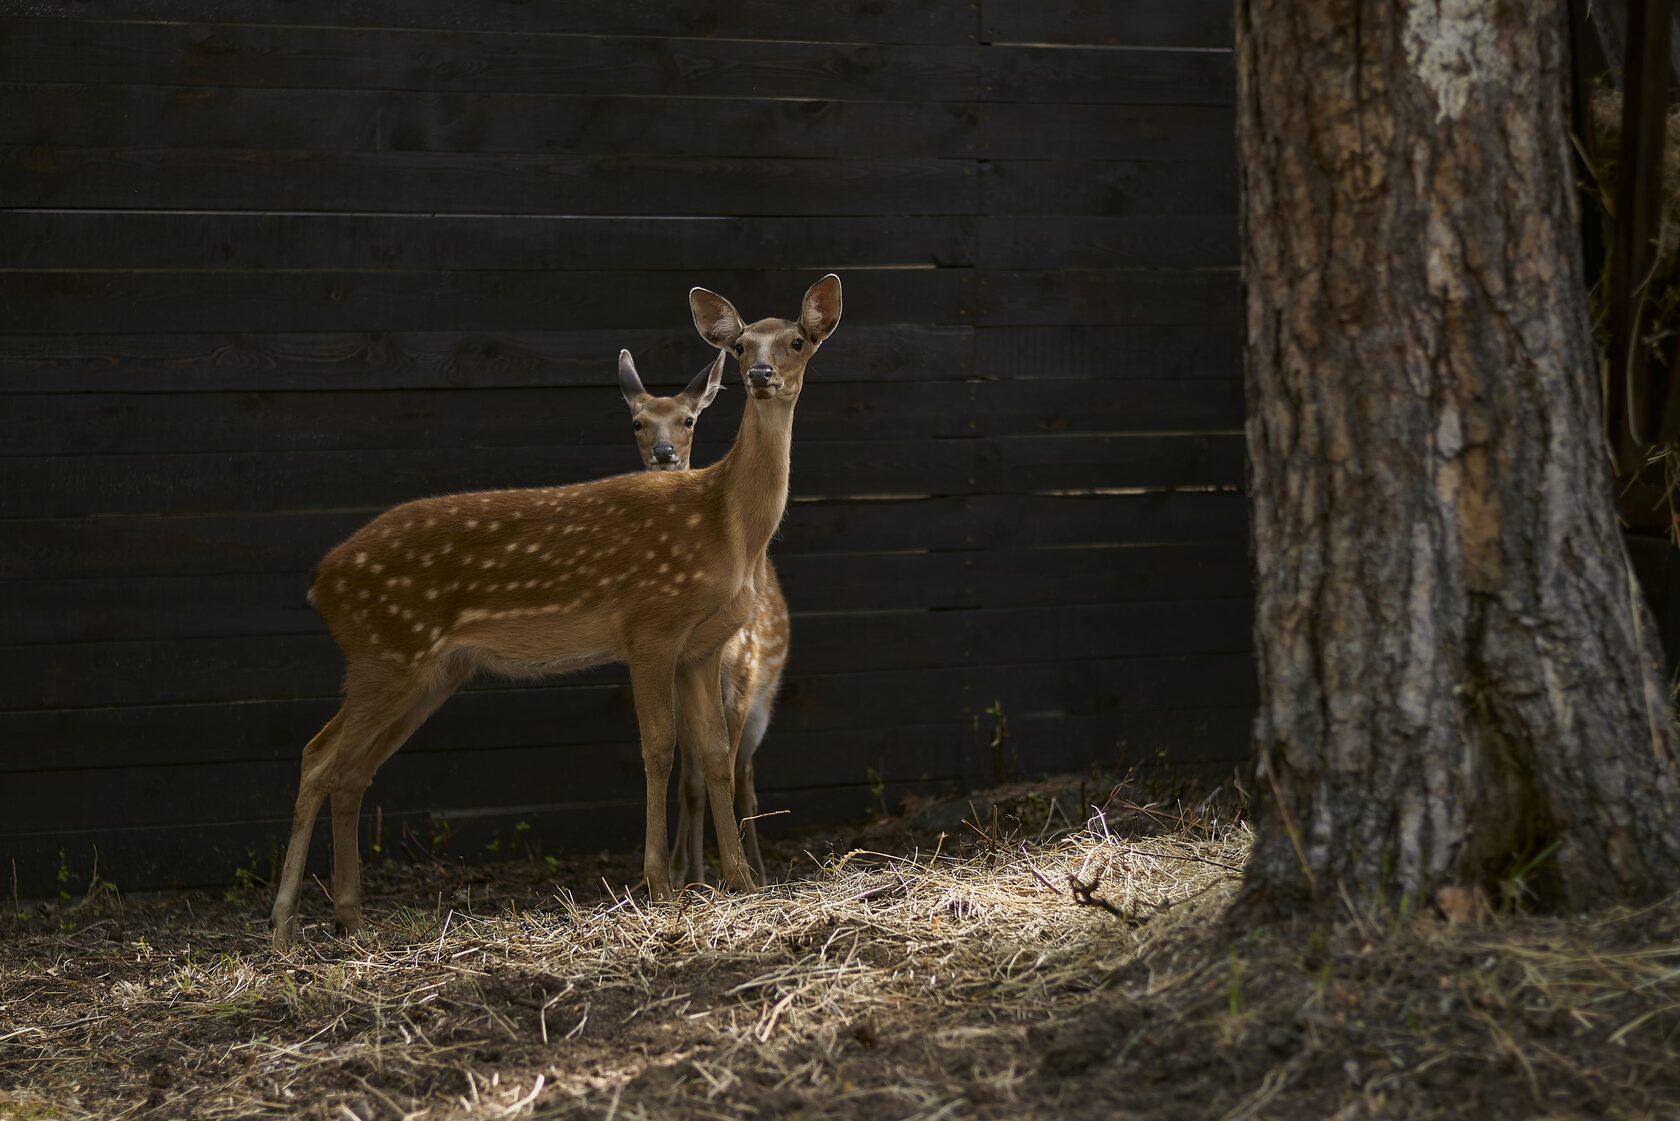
(772, 352)
(664, 426)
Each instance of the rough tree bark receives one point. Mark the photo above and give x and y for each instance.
(1457, 675)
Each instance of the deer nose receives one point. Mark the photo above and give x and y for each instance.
(759, 375)
(664, 453)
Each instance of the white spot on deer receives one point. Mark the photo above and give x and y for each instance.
(471, 615)
(648, 555)
(603, 581)
(663, 537)
(493, 526)
(693, 520)
(361, 558)
(390, 608)
(447, 547)
(488, 564)
(1450, 45)
(364, 594)
(373, 638)
(680, 577)
(408, 613)
(472, 523)
(409, 555)
(431, 593)
(418, 627)
(339, 585)
(391, 583)
(664, 568)
(376, 568)
(531, 548)
(430, 522)
(510, 546)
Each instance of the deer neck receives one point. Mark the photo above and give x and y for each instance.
(754, 474)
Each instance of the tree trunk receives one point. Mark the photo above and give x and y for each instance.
(1457, 675)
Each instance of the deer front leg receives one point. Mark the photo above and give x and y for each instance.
(688, 856)
(651, 682)
(700, 703)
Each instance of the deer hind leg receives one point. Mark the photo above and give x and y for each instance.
(700, 706)
(318, 759)
(688, 855)
(748, 737)
(651, 684)
(411, 707)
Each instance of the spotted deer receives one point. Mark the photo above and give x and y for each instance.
(752, 659)
(657, 570)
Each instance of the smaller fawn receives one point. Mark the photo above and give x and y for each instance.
(752, 659)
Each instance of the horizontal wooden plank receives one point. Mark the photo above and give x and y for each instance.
(1134, 350)
(1106, 187)
(58, 486)
(1186, 241)
(1163, 133)
(135, 363)
(1068, 74)
(120, 608)
(226, 669)
(61, 548)
(79, 239)
(1104, 296)
(485, 778)
(571, 714)
(595, 417)
(175, 856)
(55, 302)
(501, 183)
(469, 60)
(339, 120)
(1186, 23)
(851, 21)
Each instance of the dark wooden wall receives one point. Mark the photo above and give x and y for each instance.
(269, 267)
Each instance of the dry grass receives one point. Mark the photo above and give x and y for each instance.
(915, 975)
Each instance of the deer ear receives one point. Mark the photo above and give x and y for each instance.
(629, 382)
(714, 317)
(704, 388)
(819, 313)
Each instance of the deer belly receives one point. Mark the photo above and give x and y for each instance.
(538, 645)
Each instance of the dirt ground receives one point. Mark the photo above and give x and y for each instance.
(939, 964)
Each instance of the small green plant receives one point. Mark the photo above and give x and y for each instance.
(439, 840)
(245, 878)
(63, 879)
(1002, 771)
(877, 792)
(1516, 887)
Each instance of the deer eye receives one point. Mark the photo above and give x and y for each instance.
(799, 344)
(688, 422)
(739, 349)
(635, 426)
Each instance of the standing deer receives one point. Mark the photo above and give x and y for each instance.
(752, 659)
(656, 570)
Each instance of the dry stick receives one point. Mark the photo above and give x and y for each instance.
(1084, 896)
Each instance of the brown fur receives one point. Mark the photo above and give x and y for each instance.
(658, 570)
